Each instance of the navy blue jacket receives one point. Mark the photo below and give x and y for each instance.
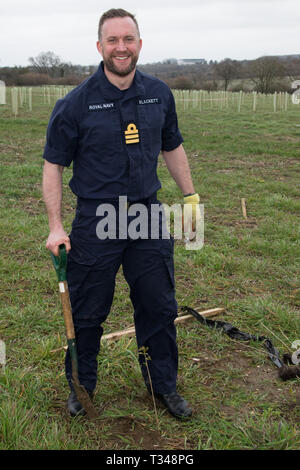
(113, 137)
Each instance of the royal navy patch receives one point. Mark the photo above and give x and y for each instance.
(101, 106)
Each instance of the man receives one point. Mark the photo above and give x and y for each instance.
(113, 127)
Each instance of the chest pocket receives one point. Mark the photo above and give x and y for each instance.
(151, 120)
(101, 134)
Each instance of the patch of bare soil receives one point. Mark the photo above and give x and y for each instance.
(262, 379)
(124, 430)
(134, 432)
(255, 379)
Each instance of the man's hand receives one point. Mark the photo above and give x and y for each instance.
(191, 214)
(56, 238)
(178, 166)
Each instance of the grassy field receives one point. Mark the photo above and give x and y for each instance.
(248, 266)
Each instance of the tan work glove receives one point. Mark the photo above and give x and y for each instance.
(191, 215)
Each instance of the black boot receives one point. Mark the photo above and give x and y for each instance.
(74, 406)
(175, 404)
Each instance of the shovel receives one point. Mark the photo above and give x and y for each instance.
(60, 265)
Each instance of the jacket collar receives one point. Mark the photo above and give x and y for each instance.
(111, 92)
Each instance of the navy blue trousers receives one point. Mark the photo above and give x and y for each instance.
(148, 269)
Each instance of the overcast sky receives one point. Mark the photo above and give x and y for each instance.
(209, 29)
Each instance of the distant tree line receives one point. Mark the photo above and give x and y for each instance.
(265, 74)
(45, 69)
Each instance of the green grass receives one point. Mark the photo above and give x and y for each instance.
(249, 266)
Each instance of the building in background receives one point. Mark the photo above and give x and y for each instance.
(191, 61)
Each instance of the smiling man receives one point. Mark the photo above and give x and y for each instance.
(119, 44)
(113, 127)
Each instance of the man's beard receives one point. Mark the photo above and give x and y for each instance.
(109, 64)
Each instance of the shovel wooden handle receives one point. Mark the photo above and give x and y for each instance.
(60, 265)
(67, 311)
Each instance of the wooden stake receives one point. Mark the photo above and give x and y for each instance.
(286, 101)
(131, 331)
(244, 207)
(274, 101)
(30, 98)
(254, 100)
(14, 101)
(180, 319)
(240, 101)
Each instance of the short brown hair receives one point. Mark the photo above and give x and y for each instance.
(115, 13)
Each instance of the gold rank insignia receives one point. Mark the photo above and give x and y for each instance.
(132, 134)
